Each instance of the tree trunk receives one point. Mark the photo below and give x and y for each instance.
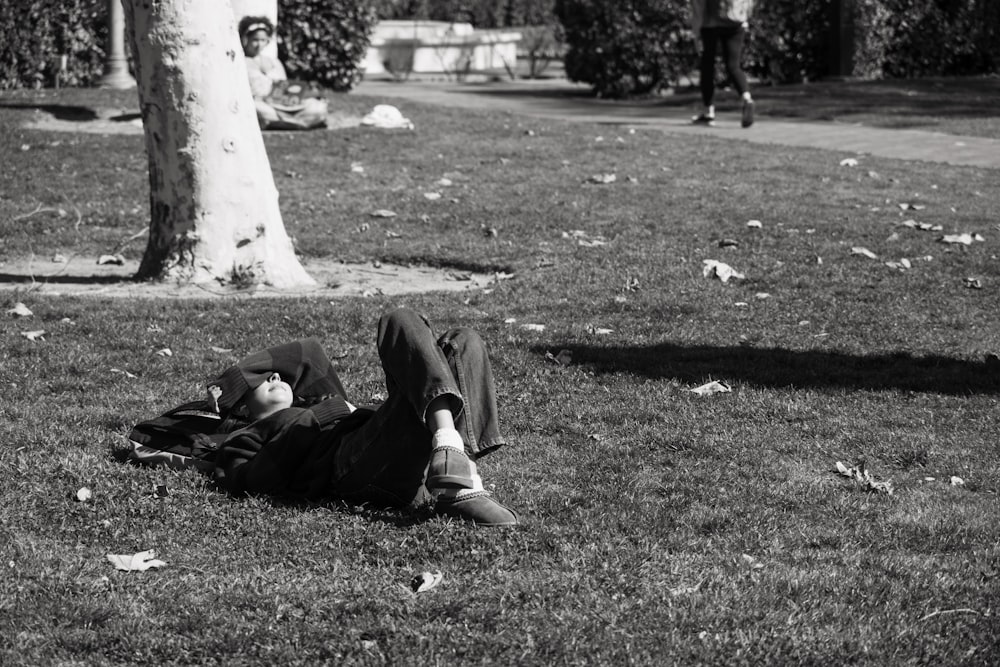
(213, 202)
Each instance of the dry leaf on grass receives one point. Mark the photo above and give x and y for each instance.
(19, 310)
(131, 376)
(863, 478)
(720, 270)
(563, 358)
(713, 387)
(116, 260)
(533, 327)
(865, 252)
(425, 581)
(165, 352)
(383, 213)
(138, 562)
(602, 179)
(849, 162)
(83, 494)
(34, 335)
(755, 224)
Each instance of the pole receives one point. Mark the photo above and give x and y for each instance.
(116, 66)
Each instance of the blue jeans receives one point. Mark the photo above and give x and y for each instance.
(383, 454)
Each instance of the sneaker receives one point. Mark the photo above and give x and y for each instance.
(702, 119)
(747, 119)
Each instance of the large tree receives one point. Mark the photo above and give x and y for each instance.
(213, 203)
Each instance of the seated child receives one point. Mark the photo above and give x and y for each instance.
(280, 105)
(305, 440)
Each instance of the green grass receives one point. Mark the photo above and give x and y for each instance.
(639, 498)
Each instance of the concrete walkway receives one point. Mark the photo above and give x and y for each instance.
(559, 99)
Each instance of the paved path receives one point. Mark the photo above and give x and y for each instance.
(562, 100)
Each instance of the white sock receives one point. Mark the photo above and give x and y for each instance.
(447, 437)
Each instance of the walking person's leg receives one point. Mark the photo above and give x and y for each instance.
(732, 52)
(706, 76)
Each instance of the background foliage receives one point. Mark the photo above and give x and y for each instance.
(629, 47)
(36, 33)
(620, 47)
(325, 40)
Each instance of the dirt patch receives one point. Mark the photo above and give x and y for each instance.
(83, 276)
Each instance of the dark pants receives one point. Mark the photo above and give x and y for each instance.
(731, 39)
(385, 458)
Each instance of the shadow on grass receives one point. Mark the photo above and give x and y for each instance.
(896, 102)
(27, 280)
(71, 113)
(790, 369)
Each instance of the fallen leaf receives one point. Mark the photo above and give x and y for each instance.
(599, 331)
(117, 260)
(862, 477)
(964, 239)
(221, 350)
(83, 494)
(444, 182)
(848, 162)
(858, 250)
(19, 310)
(165, 352)
(563, 358)
(709, 388)
(602, 179)
(972, 283)
(752, 562)
(432, 196)
(755, 224)
(533, 327)
(123, 372)
(34, 335)
(957, 481)
(357, 168)
(728, 243)
(762, 295)
(383, 213)
(425, 581)
(138, 562)
(510, 320)
(720, 270)
(922, 226)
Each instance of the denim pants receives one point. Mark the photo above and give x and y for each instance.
(385, 458)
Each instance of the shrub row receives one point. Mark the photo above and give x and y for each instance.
(632, 47)
(46, 42)
(620, 47)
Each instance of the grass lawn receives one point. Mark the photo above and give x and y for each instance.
(659, 526)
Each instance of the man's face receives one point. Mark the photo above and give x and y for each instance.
(254, 42)
(272, 395)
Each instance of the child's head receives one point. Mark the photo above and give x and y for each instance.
(255, 34)
(270, 396)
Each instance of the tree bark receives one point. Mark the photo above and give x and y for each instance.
(213, 202)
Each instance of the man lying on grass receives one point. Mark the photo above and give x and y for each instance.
(287, 429)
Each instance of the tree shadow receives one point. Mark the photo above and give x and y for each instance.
(780, 368)
(64, 279)
(67, 112)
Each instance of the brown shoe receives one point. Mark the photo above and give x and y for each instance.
(478, 507)
(450, 468)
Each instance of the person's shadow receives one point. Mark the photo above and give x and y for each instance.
(781, 368)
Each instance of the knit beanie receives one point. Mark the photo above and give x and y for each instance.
(301, 363)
